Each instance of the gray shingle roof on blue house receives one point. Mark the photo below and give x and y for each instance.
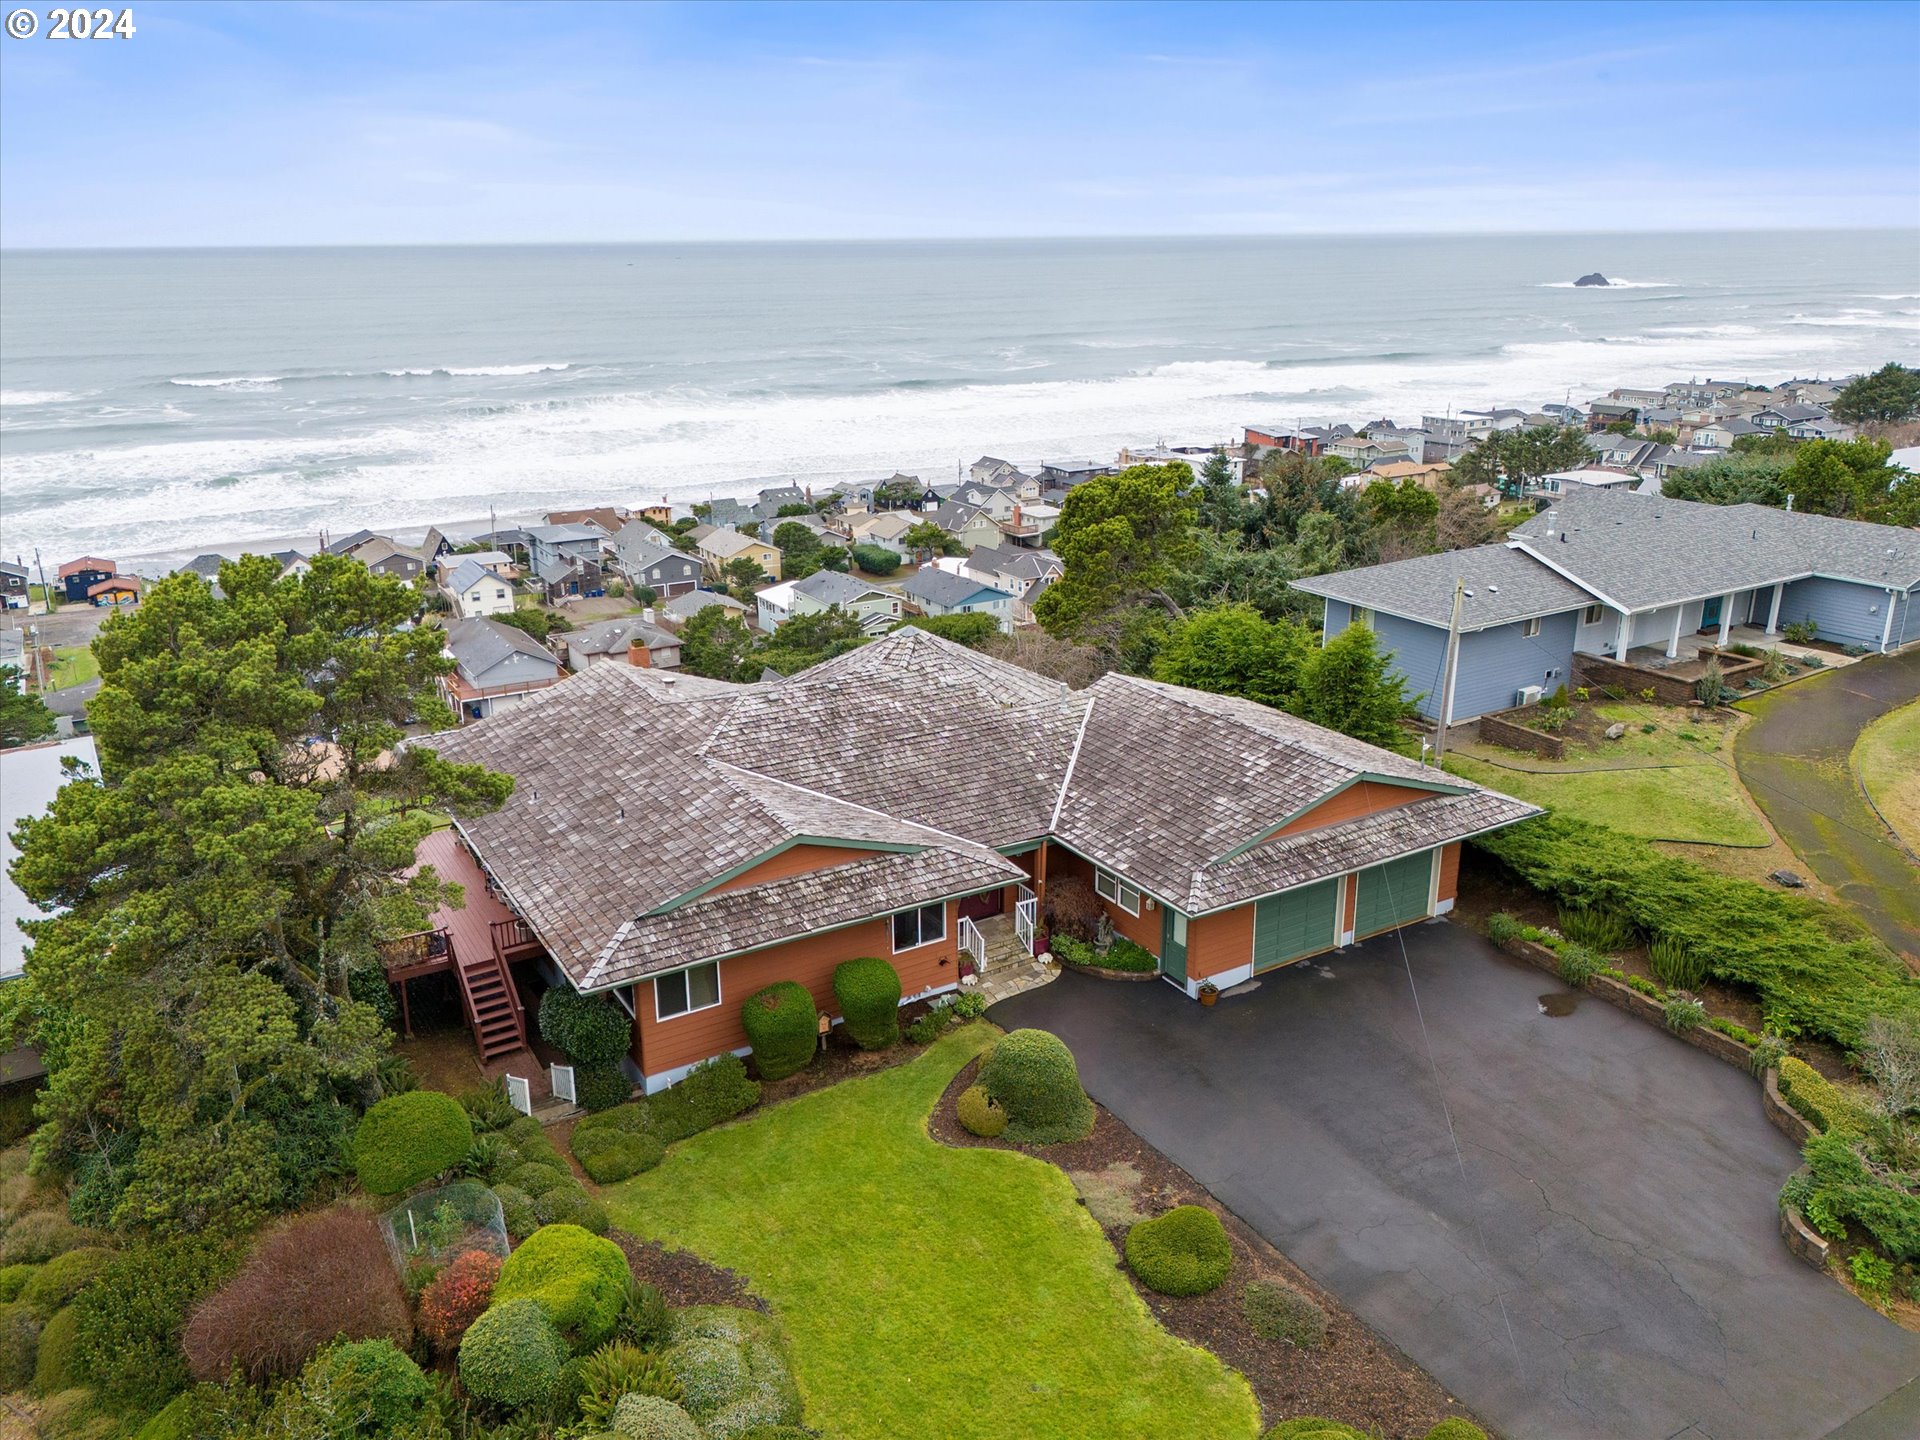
(1506, 585)
(942, 587)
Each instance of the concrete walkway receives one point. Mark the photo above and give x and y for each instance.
(1793, 760)
(1599, 1256)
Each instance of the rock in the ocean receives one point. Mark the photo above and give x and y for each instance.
(1596, 278)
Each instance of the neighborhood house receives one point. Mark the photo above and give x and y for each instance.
(677, 843)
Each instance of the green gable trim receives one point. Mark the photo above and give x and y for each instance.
(832, 841)
(1023, 847)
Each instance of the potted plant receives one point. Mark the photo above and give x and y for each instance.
(1209, 992)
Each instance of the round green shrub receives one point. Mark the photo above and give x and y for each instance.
(38, 1237)
(1031, 1076)
(58, 1366)
(601, 1087)
(512, 1354)
(577, 1278)
(175, 1422)
(1456, 1427)
(783, 1027)
(13, 1279)
(868, 990)
(710, 1370)
(516, 1210)
(529, 1137)
(537, 1179)
(1183, 1252)
(408, 1138)
(613, 1155)
(374, 1379)
(19, 1344)
(978, 1112)
(648, 1417)
(63, 1277)
(730, 1364)
(591, 1030)
(1312, 1427)
(571, 1205)
(1279, 1312)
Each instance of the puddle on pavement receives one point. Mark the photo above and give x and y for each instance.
(1560, 1003)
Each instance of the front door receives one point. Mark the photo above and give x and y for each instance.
(1173, 945)
(1710, 614)
(987, 902)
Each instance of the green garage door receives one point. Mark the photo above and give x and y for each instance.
(1300, 922)
(1392, 894)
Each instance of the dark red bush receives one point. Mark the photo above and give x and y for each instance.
(324, 1276)
(456, 1296)
(1072, 908)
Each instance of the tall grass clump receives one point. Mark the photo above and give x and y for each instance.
(1597, 927)
(1674, 965)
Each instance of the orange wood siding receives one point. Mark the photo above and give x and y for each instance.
(1143, 929)
(1366, 797)
(1219, 942)
(661, 1045)
(1449, 871)
(796, 860)
(1353, 900)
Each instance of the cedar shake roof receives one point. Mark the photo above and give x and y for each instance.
(637, 792)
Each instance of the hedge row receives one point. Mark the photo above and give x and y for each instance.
(1813, 967)
(630, 1138)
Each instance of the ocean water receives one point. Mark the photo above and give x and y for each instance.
(153, 404)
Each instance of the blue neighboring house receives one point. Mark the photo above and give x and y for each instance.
(1622, 575)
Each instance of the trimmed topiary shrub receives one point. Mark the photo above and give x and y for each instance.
(36, 1238)
(457, 1297)
(19, 1346)
(373, 1380)
(601, 1087)
(408, 1138)
(783, 1027)
(529, 1138)
(537, 1179)
(733, 1367)
(1275, 1311)
(63, 1277)
(978, 1112)
(1031, 1076)
(1183, 1252)
(709, 1093)
(578, 1279)
(175, 1422)
(57, 1365)
(1825, 1105)
(516, 1211)
(13, 1279)
(324, 1277)
(611, 1155)
(512, 1354)
(868, 990)
(648, 1417)
(570, 1205)
(590, 1030)
(1455, 1427)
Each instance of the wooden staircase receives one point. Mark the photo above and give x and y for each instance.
(493, 1005)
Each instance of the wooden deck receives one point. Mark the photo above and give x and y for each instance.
(469, 926)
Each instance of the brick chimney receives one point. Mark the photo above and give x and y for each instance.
(637, 652)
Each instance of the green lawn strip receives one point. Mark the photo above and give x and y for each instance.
(73, 667)
(930, 1291)
(1886, 757)
(1697, 804)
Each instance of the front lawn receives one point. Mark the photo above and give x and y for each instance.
(1675, 782)
(1887, 760)
(930, 1291)
(73, 666)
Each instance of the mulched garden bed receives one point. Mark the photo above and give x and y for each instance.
(1356, 1377)
(682, 1277)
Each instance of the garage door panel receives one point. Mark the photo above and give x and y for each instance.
(1300, 922)
(1393, 894)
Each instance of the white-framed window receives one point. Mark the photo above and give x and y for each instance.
(1112, 888)
(1363, 616)
(685, 991)
(1592, 614)
(1530, 628)
(926, 925)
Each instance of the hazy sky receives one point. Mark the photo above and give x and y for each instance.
(295, 122)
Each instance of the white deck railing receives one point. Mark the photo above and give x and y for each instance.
(1026, 916)
(973, 943)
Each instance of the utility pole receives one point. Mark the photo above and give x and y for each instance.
(1446, 672)
(46, 590)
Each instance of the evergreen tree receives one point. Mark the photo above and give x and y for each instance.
(1232, 650)
(1888, 396)
(1123, 539)
(1346, 686)
(23, 717)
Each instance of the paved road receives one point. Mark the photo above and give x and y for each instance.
(1793, 759)
(1602, 1258)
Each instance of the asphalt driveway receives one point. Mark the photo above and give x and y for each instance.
(1793, 760)
(1601, 1258)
